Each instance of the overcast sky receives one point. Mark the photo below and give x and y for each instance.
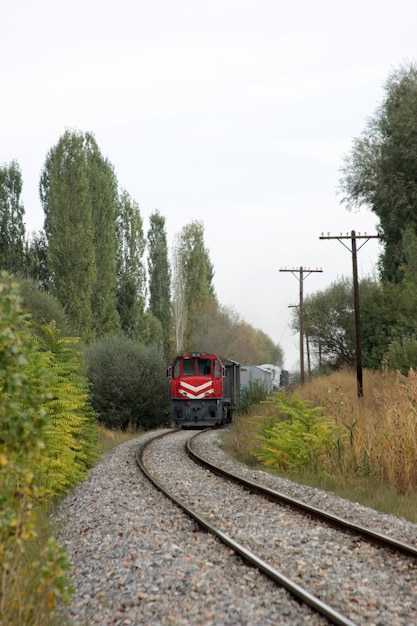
(237, 113)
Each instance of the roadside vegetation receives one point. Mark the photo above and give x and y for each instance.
(322, 434)
(50, 436)
(85, 337)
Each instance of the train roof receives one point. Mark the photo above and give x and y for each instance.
(227, 361)
(223, 359)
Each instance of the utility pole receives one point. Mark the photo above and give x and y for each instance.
(301, 272)
(353, 238)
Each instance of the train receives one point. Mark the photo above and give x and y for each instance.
(204, 389)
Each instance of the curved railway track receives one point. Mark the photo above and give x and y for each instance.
(266, 564)
(334, 520)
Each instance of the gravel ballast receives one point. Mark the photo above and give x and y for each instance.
(137, 559)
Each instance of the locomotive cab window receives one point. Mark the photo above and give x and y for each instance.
(204, 367)
(217, 369)
(188, 367)
(176, 369)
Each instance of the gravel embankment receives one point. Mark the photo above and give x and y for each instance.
(137, 559)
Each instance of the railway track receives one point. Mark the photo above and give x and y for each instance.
(237, 525)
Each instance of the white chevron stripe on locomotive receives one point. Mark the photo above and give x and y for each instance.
(196, 392)
(196, 388)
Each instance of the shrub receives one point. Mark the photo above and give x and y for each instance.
(251, 395)
(300, 438)
(402, 354)
(71, 431)
(129, 384)
(44, 307)
(29, 587)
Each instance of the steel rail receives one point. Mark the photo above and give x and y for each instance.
(339, 522)
(296, 590)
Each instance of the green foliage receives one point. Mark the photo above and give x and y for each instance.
(387, 313)
(221, 331)
(129, 385)
(29, 588)
(253, 394)
(130, 271)
(329, 322)
(12, 229)
(402, 355)
(380, 170)
(36, 260)
(104, 211)
(298, 439)
(79, 195)
(43, 306)
(193, 285)
(269, 352)
(71, 431)
(160, 280)
(69, 229)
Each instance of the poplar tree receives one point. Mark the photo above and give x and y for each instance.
(160, 279)
(104, 205)
(69, 230)
(12, 229)
(78, 190)
(178, 304)
(130, 269)
(193, 282)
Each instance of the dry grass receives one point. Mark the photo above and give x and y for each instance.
(108, 438)
(376, 458)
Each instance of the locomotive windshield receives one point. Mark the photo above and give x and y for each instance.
(188, 367)
(197, 366)
(204, 367)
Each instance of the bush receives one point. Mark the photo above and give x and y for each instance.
(71, 432)
(402, 355)
(251, 395)
(300, 439)
(129, 384)
(44, 307)
(29, 587)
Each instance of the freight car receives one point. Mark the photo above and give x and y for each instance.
(204, 389)
(254, 374)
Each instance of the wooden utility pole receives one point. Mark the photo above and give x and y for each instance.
(353, 238)
(301, 275)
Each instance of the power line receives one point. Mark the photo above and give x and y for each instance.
(302, 274)
(353, 250)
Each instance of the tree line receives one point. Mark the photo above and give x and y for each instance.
(380, 174)
(110, 276)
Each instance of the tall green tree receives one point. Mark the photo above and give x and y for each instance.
(178, 303)
(104, 207)
(380, 171)
(387, 313)
(12, 229)
(160, 279)
(36, 260)
(131, 288)
(78, 191)
(330, 323)
(69, 229)
(193, 282)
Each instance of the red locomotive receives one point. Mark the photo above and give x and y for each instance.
(204, 389)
